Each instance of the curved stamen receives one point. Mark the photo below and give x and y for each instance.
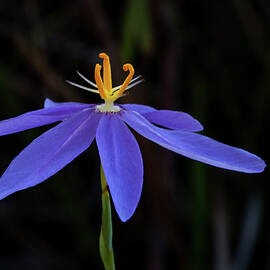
(107, 75)
(126, 67)
(99, 82)
(104, 86)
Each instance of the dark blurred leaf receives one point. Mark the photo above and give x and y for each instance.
(136, 28)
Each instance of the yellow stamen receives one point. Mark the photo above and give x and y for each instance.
(105, 90)
(126, 67)
(104, 86)
(99, 82)
(107, 77)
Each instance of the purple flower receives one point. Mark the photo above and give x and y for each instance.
(119, 152)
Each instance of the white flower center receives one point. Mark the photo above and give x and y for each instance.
(108, 106)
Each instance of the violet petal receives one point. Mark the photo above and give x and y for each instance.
(73, 105)
(39, 118)
(122, 164)
(196, 146)
(174, 120)
(50, 152)
(138, 108)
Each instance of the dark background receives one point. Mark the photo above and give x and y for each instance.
(208, 58)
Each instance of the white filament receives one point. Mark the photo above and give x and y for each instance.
(115, 89)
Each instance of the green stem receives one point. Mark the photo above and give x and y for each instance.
(105, 239)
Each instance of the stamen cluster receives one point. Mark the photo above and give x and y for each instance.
(104, 86)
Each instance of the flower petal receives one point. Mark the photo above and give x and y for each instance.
(73, 105)
(166, 118)
(50, 152)
(138, 108)
(174, 120)
(196, 146)
(49, 103)
(122, 164)
(39, 118)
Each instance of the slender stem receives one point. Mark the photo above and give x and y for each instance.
(105, 239)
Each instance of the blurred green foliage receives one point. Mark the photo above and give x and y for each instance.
(137, 34)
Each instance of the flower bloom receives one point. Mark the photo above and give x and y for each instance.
(119, 152)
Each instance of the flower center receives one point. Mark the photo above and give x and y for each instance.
(105, 89)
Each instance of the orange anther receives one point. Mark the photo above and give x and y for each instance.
(99, 82)
(107, 75)
(126, 67)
